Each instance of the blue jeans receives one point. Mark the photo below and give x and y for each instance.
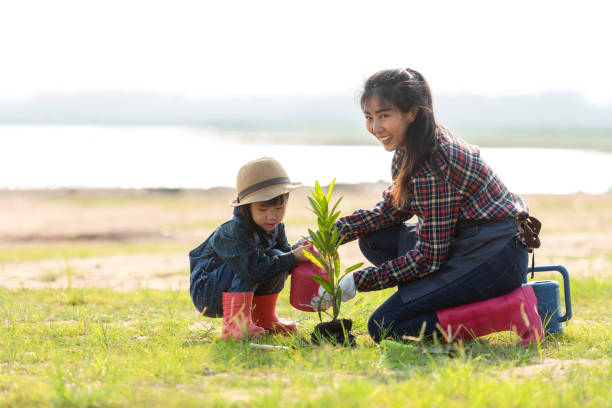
(496, 276)
(207, 284)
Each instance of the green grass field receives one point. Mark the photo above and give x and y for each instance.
(91, 347)
(87, 348)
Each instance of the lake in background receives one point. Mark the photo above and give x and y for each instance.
(40, 157)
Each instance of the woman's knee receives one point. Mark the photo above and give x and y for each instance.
(365, 244)
(376, 253)
(382, 239)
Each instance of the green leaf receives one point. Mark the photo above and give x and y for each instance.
(333, 218)
(325, 244)
(316, 208)
(325, 208)
(338, 300)
(330, 189)
(335, 237)
(329, 225)
(322, 226)
(352, 268)
(324, 283)
(314, 238)
(318, 192)
(336, 205)
(337, 266)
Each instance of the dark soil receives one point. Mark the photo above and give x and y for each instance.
(334, 332)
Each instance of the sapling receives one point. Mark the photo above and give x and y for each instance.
(327, 239)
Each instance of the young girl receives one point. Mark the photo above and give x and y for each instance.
(462, 264)
(239, 270)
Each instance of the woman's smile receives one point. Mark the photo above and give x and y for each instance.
(384, 139)
(387, 123)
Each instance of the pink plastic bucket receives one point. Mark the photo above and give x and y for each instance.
(303, 286)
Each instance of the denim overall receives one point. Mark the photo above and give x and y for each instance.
(210, 277)
(484, 261)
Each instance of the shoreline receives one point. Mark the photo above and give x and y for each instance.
(596, 139)
(163, 191)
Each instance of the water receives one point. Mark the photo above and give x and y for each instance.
(39, 157)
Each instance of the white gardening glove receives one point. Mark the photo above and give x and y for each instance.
(347, 284)
(323, 300)
(348, 287)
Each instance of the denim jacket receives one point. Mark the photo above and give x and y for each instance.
(247, 254)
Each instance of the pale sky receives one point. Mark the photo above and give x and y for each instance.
(261, 47)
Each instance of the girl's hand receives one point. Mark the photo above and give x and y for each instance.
(299, 255)
(301, 242)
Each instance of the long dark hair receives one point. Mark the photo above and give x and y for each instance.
(406, 89)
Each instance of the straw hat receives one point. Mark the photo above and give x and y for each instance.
(261, 180)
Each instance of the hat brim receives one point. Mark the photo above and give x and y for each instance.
(265, 194)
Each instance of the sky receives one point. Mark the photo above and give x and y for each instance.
(202, 49)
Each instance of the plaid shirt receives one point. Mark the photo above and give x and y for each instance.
(463, 188)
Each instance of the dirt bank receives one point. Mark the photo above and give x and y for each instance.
(127, 239)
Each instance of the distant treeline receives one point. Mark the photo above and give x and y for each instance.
(550, 119)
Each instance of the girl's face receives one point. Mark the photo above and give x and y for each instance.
(268, 216)
(387, 123)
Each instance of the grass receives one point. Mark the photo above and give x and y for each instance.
(86, 347)
(21, 253)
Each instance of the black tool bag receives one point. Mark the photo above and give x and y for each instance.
(531, 228)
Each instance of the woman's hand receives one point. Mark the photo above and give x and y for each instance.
(347, 284)
(297, 251)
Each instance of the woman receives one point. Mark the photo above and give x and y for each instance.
(468, 244)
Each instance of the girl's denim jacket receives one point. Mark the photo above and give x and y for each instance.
(247, 254)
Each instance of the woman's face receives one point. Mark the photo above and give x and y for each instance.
(387, 123)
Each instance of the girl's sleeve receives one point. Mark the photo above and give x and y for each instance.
(248, 260)
(440, 204)
(384, 215)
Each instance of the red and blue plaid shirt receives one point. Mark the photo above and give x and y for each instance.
(463, 188)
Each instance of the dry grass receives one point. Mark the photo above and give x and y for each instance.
(130, 239)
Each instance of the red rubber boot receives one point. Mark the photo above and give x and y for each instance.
(264, 315)
(237, 323)
(516, 311)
